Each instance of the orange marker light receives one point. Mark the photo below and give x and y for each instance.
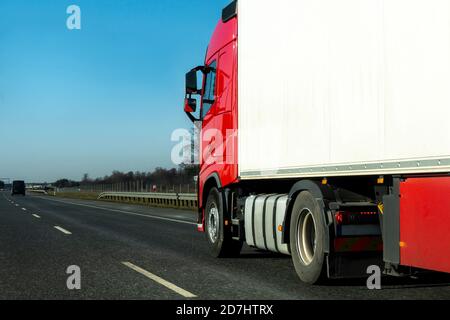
(403, 244)
(280, 228)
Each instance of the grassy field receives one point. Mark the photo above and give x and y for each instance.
(77, 195)
(94, 196)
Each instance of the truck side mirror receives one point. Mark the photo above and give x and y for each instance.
(190, 105)
(191, 82)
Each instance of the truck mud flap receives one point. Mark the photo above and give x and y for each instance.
(352, 265)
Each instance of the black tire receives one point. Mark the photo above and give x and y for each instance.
(219, 237)
(307, 239)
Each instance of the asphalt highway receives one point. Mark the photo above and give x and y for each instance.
(134, 252)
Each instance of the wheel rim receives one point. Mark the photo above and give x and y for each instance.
(213, 223)
(306, 236)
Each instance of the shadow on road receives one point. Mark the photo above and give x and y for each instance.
(424, 280)
(263, 255)
(429, 280)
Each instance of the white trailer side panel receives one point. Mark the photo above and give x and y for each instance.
(338, 87)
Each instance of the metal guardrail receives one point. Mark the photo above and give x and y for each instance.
(37, 191)
(178, 200)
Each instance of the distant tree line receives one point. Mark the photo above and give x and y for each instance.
(184, 174)
(2, 185)
(66, 183)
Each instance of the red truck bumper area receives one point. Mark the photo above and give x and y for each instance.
(425, 223)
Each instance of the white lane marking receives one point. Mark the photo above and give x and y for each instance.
(121, 211)
(36, 216)
(160, 280)
(24, 209)
(63, 230)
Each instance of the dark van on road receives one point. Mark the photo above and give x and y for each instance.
(18, 187)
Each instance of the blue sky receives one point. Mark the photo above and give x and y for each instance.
(106, 97)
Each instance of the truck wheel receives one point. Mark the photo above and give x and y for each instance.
(307, 239)
(219, 238)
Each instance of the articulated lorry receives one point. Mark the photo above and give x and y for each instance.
(325, 134)
(18, 187)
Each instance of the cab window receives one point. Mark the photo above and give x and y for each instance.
(210, 89)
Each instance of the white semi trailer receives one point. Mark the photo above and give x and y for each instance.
(341, 111)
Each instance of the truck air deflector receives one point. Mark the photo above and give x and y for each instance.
(229, 12)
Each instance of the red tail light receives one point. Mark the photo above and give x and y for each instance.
(356, 217)
(339, 217)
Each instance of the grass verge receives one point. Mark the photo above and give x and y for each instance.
(94, 196)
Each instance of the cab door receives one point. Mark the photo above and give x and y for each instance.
(226, 99)
(208, 115)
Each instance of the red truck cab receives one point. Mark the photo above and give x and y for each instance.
(218, 111)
